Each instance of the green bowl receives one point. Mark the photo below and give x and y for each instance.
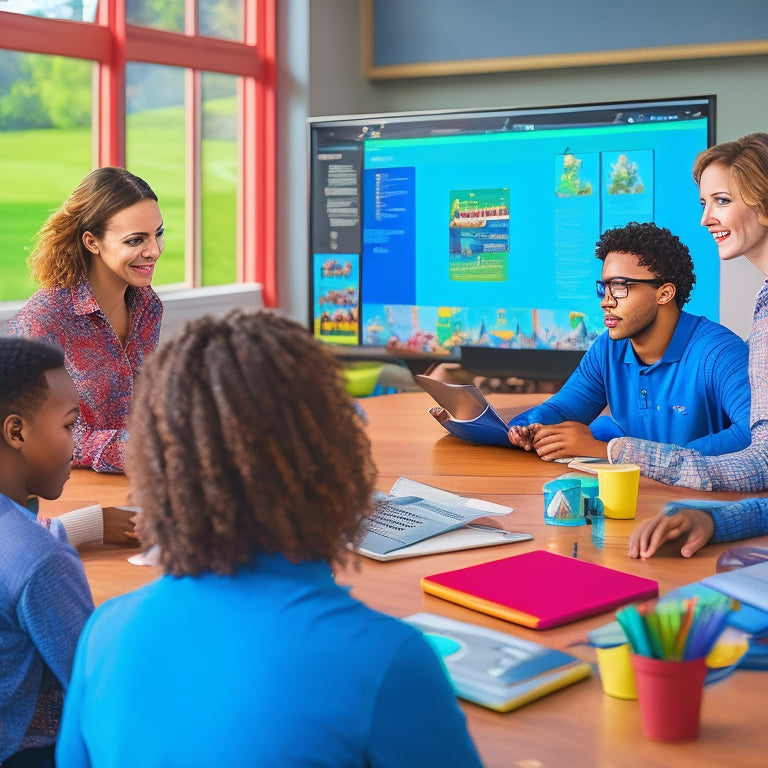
(360, 379)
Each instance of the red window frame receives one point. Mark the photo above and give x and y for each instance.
(111, 42)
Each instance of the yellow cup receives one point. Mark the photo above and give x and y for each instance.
(617, 489)
(616, 672)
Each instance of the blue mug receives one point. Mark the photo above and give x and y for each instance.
(564, 503)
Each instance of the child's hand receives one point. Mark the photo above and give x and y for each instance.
(120, 526)
(694, 524)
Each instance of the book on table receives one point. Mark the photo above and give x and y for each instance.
(539, 589)
(748, 585)
(463, 410)
(587, 464)
(494, 669)
(418, 519)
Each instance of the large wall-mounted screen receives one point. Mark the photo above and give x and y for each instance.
(439, 231)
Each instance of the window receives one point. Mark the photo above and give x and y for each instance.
(155, 150)
(45, 149)
(219, 183)
(73, 10)
(185, 102)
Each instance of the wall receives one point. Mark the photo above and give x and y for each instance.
(293, 109)
(181, 306)
(439, 37)
(329, 81)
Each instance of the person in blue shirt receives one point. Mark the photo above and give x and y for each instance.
(663, 374)
(45, 599)
(253, 470)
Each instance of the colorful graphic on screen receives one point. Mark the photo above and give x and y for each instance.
(438, 330)
(570, 176)
(627, 187)
(478, 235)
(336, 298)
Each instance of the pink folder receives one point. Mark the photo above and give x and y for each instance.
(539, 589)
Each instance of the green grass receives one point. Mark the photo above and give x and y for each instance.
(40, 169)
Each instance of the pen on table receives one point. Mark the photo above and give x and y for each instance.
(575, 548)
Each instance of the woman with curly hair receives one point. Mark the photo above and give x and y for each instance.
(94, 259)
(254, 471)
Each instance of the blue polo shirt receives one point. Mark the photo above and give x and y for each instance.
(697, 395)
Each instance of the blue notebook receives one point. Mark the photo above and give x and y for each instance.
(748, 619)
(463, 410)
(748, 585)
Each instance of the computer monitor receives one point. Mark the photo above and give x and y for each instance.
(470, 234)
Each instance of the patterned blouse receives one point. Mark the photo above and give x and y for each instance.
(745, 470)
(102, 368)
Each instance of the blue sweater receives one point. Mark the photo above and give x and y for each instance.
(275, 666)
(697, 395)
(740, 519)
(45, 601)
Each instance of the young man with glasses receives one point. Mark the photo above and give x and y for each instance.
(661, 373)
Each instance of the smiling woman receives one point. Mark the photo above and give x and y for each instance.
(124, 256)
(94, 260)
(733, 190)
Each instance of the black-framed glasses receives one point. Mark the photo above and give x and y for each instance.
(619, 286)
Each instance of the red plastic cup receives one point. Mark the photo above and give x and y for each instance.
(669, 693)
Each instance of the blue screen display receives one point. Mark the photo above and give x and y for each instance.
(479, 229)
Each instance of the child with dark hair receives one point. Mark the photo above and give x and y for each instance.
(44, 597)
(254, 472)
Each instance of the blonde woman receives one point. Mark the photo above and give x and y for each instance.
(733, 186)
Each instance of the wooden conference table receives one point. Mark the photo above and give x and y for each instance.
(577, 726)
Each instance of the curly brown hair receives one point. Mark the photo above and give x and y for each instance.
(656, 248)
(243, 440)
(59, 258)
(747, 159)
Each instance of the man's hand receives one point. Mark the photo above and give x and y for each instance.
(693, 524)
(523, 436)
(120, 526)
(565, 440)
